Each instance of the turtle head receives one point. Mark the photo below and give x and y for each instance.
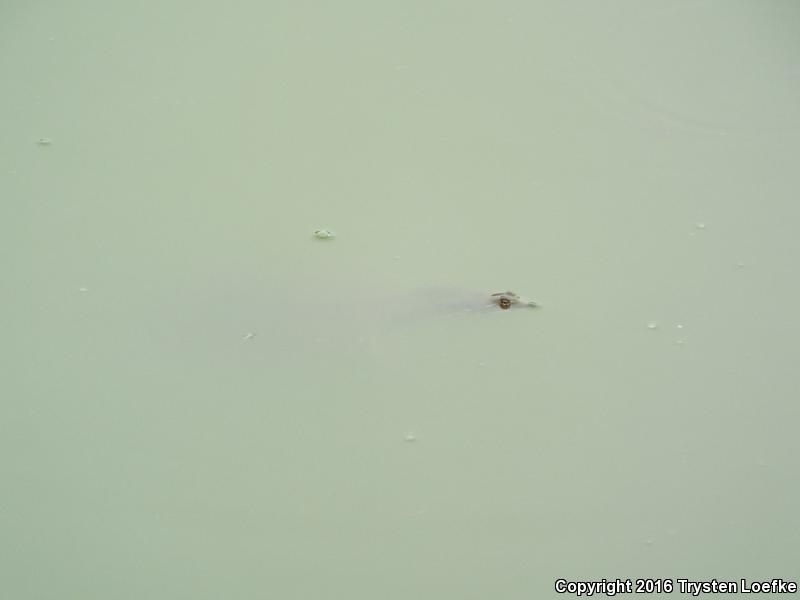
(506, 300)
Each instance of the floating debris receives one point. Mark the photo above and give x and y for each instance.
(45, 141)
(652, 325)
(324, 234)
(410, 437)
(249, 335)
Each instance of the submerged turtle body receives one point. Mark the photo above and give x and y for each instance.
(506, 300)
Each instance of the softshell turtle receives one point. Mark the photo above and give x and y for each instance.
(445, 300)
(506, 300)
(327, 314)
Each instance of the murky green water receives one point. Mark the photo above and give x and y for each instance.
(200, 400)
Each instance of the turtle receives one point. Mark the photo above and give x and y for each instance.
(506, 300)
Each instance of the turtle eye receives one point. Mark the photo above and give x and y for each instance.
(505, 303)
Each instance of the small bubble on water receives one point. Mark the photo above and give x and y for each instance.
(45, 141)
(323, 234)
(410, 436)
(249, 335)
(83, 289)
(700, 225)
(648, 542)
(680, 342)
(679, 326)
(740, 265)
(652, 325)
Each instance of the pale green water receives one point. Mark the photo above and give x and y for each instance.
(567, 151)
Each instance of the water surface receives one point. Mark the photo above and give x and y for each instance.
(200, 400)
